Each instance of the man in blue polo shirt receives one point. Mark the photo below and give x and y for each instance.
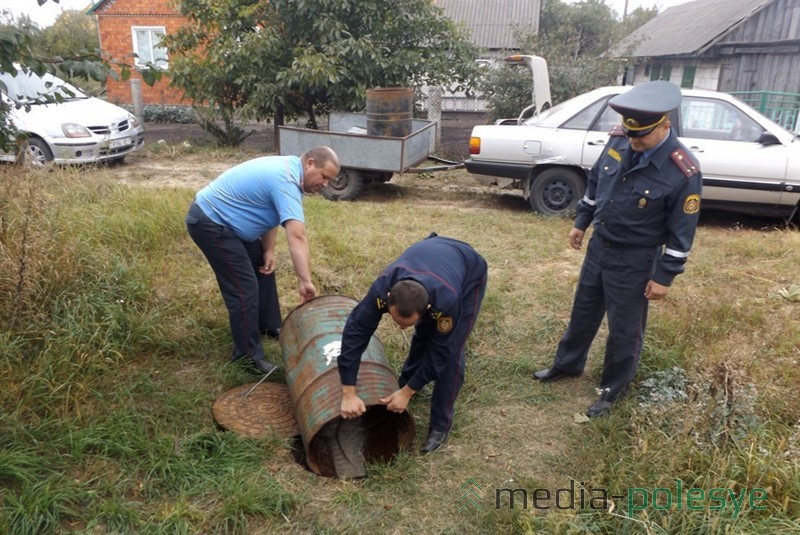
(236, 217)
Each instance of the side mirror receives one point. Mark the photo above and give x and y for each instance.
(767, 138)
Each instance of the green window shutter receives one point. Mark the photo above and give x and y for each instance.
(687, 80)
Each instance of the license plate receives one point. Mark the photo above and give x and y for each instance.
(124, 142)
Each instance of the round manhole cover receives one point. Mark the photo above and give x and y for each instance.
(267, 409)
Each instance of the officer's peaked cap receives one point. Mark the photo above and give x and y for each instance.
(646, 106)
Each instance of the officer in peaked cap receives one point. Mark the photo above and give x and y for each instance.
(646, 106)
(643, 201)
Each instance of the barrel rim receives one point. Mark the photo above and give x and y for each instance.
(317, 298)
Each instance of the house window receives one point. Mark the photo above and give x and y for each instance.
(660, 72)
(147, 46)
(687, 80)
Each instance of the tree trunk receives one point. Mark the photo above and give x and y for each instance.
(279, 120)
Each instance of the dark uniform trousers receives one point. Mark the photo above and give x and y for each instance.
(250, 297)
(612, 281)
(448, 383)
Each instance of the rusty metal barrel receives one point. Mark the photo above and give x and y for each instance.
(334, 447)
(390, 111)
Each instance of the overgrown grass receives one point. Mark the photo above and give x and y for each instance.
(114, 345)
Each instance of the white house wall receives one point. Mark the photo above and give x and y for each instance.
(706, 74)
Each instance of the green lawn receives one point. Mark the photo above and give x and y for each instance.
(114, 345)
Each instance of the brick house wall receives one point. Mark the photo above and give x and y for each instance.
(115, 20)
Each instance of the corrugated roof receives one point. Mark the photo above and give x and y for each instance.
(688, 28)
(492, 21)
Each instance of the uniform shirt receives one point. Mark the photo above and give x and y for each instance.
(443, 271)
(654, 203)
(255, 196)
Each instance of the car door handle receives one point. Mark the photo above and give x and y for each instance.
(695, 148)
(600, 142)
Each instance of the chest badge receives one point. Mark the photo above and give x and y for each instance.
(444, 324)
(614, 154)
(642, 203)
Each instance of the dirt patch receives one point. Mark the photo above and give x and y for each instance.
(184, 155)
(172, 170)
(183, 164)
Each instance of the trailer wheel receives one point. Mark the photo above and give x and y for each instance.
(556, 191)
(345, 187)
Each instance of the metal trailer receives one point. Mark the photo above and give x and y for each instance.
(363, 158)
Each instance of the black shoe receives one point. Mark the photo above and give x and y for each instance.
(273, 333)
(262, 367)
(434, 441)
(598, 408)
(550, 374)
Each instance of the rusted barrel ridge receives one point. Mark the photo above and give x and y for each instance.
(390, 111)
(310, 340)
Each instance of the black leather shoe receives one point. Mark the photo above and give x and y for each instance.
(598, 408)
(273, 333)
(434, 441)
(263, 367)
(550, 374)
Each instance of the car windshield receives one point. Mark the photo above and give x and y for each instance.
(557, 115)
(28, 88)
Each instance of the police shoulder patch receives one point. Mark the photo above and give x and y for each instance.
(617, 131)
(444, 324)
(692, 204)
(685, 162)
(382, 305)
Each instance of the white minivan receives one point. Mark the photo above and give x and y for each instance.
(75, 129)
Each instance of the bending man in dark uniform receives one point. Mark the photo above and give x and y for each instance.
(643, 199)
(437, 286)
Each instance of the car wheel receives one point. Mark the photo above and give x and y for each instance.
(556, 191)
(36, 153)
(346, 186)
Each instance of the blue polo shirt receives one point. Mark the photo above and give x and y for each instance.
(255, 196)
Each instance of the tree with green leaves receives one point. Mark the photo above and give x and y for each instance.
(636, 18)
(290, 58)
(573, 39)
(72, 35)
